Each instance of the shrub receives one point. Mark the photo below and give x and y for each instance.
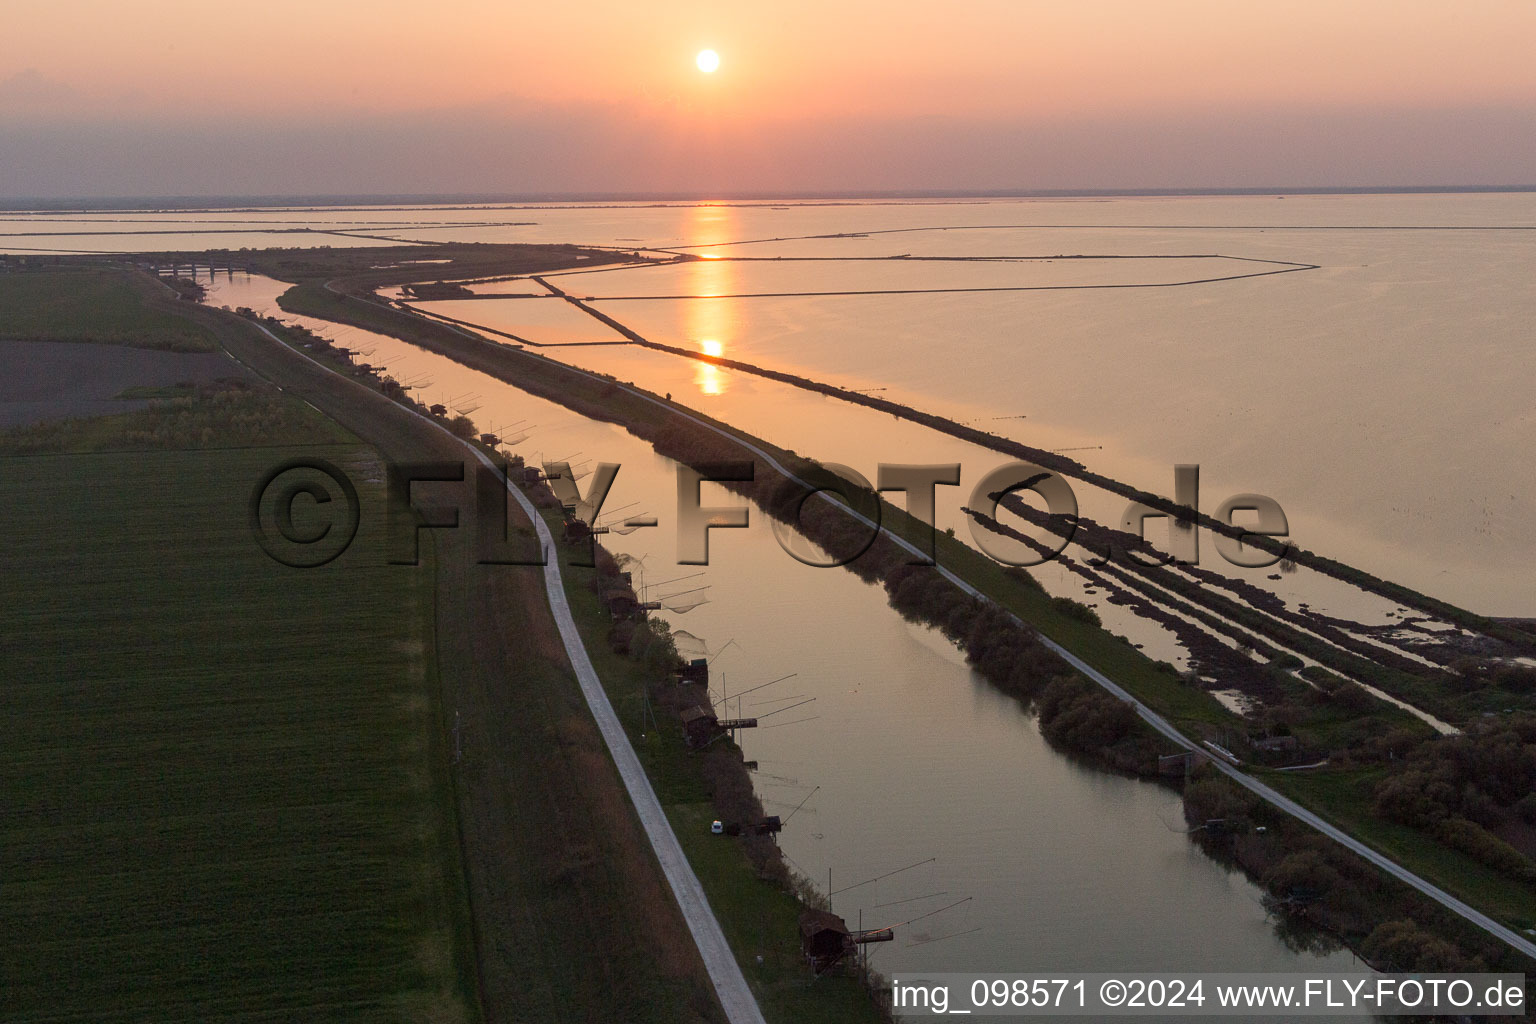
(1021, 575)
(1206, 799)
(1414, 798)
(1305, 871)
(1515, 678)
(1486, 848)
(1079, 715)
(1401, 946)
(1075, 610)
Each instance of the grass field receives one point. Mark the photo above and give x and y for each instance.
(215, 416)
(218, 799)
(223, 786)
(92, 305)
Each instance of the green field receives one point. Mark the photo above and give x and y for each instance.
(223, 785)
(217, 796)
(103, 306)
(215, 416)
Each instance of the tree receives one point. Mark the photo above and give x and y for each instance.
(1304, 874)
(1401, 946)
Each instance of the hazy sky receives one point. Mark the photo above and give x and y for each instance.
(100, 97)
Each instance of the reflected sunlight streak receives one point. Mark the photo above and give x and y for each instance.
(709, 321)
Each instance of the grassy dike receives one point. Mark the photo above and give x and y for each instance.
(1347, 800)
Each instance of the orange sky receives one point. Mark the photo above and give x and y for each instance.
(789, 63)
(789, 58)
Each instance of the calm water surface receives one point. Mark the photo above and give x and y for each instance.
(1383, 398)
(915, 757)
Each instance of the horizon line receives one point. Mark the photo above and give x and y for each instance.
(226, 201)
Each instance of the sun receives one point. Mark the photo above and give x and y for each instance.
(708, 61)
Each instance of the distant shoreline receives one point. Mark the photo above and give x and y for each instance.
(37, 204)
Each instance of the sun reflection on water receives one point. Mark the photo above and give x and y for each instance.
(710, 379)
(709, 320)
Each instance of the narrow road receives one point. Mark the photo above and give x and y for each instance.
(1152, 718)
(1156, 721)
(731, 987)
(730, 984)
